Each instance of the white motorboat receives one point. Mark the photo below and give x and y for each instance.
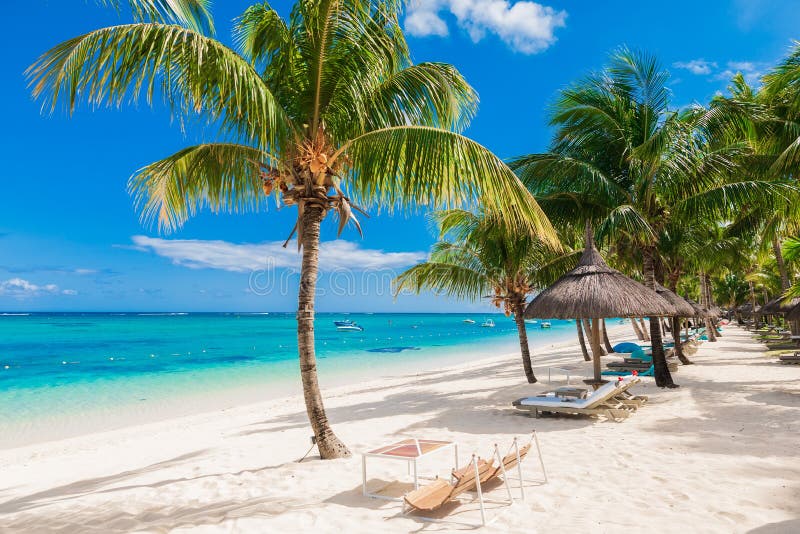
(545, 324)
(468, 321)
(488, 323)
(350, 328)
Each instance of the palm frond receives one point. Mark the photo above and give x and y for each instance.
(196, 73)
(456, 280)
(193, 14)
(414, 165)
(221, 177)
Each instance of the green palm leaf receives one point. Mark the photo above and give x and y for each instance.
(195, 73)
(415, 165)
(221, 177)
(193, 14)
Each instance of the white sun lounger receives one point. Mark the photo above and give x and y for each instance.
(610, 400)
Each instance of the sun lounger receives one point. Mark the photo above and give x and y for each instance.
(503, 465)
(790, 358)
(604, 401)
(473, 477)
(439, 492)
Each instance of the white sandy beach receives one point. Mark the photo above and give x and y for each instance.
(720, 454)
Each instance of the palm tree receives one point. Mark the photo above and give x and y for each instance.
(478, 256)
(324, 110)
(623, 159)
(762, 119)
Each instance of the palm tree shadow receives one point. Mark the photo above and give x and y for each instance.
(92, 485)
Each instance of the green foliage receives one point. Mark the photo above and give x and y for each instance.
(731, 290)
(327, 102)
(480, 255)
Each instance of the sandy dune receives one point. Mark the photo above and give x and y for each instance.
(720, 454)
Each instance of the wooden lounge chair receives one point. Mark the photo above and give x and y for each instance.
(440, 492)
(473, 477)
(790, 358)
(607, 401)
(503, 465)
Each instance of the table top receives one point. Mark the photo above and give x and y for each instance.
(410, 448)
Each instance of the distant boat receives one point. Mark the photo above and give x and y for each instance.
(468, 321)
(350, 328)
(346, 322)
(545, 325)
(488, 323)
(531, 321)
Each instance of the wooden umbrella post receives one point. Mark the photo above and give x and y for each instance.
(594, 342)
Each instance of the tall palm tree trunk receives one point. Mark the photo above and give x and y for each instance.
(676, 327)
(519, 318)
(606, 341)
(710, 330)
(711, 303)
(582, 340)
(661, 371)
(676, 335)
(635, 325)
(328, 444)
(776, 248)
(643, 326)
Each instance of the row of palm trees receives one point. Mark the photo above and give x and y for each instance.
(326, 111)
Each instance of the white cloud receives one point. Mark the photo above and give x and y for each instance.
(20, 288)
(244, 257)
(423, 23)
(696, 66)
(751, 71)
(526, 26)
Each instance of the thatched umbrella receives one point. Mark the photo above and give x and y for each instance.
(747, 309)
(698, 310)
(593, 290)
(682, 308)
(794, 313)
(780, 306)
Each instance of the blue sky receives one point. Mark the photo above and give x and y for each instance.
(70, 239)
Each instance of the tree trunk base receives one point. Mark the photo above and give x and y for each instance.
(331, 447)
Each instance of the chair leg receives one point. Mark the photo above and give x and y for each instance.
(539, 450)
(480, 493)
(503, 470)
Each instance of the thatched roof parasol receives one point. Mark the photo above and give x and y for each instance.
(683, 308)
(698, 310)
(794, 313)
(779, 306)
(746, 309)
(593, 290)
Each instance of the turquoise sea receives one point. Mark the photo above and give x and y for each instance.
(64, 374)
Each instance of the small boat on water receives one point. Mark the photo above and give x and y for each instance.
(488, 323)
(468, 321)
(545, 324)
(352, 327)
(531, 321)
(345, 322)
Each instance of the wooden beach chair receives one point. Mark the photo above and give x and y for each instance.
(603, 401)
(435, 495)
(790, 358)
(503, 465)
